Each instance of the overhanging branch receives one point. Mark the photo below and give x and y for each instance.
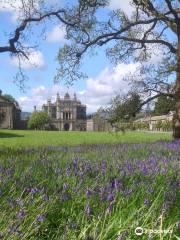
(171, 95)
(18, 31)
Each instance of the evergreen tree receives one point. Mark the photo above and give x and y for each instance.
(164, 105)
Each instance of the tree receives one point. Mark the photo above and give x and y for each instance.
(166, 125)
(134, 38)
(122, 107)
(38, 120)
(121, 111)
(30, 13)
(9, 98)
(164, 105)
(159, 125)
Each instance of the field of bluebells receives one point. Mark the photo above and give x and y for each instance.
(90, 192)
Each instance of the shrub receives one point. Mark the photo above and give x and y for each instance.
(38, 120)
(159, 125)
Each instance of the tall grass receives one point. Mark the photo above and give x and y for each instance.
(97, 192)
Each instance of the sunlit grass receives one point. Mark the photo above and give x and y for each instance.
(18, 138)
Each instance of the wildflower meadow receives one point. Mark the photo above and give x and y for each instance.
(90, 192)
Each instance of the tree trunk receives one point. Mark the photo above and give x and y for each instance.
(176, 117)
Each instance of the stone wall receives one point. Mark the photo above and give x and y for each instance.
(98, 125)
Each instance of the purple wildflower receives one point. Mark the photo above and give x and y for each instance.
(150, 190)
(41, 217)
(68, 171)
(111, 197)
(114, 184)
(88, 192)
(21, 214)
(87, 209)
(65, 186)
(127, 192)
(32, 190)
(75, 163)
(46, 197)
(14, 228)
(66, 196)
(146, 201)
(75, 190)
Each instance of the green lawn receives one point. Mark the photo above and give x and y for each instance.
(21, 138)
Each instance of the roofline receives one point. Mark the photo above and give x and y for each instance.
(15, 104)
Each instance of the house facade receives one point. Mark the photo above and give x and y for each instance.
(66, 114)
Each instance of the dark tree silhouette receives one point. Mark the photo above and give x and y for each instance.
(163, 105)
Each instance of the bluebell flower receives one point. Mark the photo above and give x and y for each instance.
(146, 201)
(88, 209)
(41, 217)
(21, 214)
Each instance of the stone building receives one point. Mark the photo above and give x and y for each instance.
(66, 113)
(153, 120)
(9, 113)
(98, 123)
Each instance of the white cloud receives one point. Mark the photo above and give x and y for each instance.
(10, 6)
(14, 7)
(39, 95)
(156, 53)
(27, 103)
(123, 5)
(41, 90)
(101, 89)
(57, 34)
(98, 91)
(36, 60)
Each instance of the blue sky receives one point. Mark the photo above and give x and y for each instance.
(104, 80)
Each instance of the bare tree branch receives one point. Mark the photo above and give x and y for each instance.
(173, 11)
(152, 98)
(17, 33)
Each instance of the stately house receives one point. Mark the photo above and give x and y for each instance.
(66, 113)
(9, 113)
